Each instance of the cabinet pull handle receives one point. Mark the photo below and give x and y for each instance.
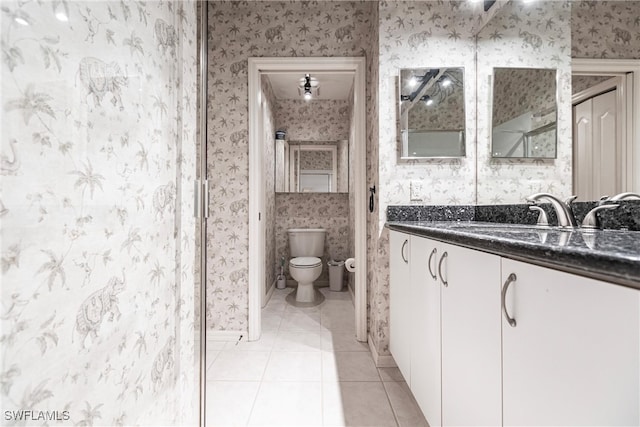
(433, 275)
(444, 282)
(406, 261)
(512, 278)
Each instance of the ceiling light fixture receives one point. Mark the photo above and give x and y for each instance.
(62, 17)
(445, 82)
(428, 101)
(413, 81)
(307, 87)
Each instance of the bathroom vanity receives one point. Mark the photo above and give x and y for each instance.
(504, 324)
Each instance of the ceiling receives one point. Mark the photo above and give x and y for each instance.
(331, 85)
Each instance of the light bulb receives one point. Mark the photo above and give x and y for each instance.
(62, 17)
(446, 82)
(20, 21)
(307, 96)
(412, 82)
(429, 102)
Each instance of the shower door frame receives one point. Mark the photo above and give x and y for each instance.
(256, 67)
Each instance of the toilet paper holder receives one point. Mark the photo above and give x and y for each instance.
(350, 265)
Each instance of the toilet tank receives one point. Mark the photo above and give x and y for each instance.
(306, 241)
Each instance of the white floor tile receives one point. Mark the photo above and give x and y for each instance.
(391, 374)
(342, 341)
(294, 366)
(211, 357)
(404, 405)
(288, 404)
(348, 366)
(356, 404)
(265, 343)
(238, 366)
(298, 341)
(229, 403)
(301, 322)
(271, 321)
(339, 320)
(215, 345)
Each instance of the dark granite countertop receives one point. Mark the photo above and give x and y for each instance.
(609, 255)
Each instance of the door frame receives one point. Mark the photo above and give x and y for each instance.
(613, 67)
(257, 66)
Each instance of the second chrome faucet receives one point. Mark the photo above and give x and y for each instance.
(562, 208)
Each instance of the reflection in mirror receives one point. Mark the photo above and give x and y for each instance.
(602, 134)
(524, 113)
(308, 167)
(431, 113)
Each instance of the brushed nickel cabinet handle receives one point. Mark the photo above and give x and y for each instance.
(444, 282)
(433, 275)
(406, 261)
(512, 278)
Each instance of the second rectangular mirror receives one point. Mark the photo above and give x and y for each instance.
(431, 113)
(524, 110)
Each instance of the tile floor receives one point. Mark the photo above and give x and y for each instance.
(306, 370)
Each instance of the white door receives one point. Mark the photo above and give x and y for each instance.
(426, 375)
(572, 357)
(400, 324)
(471, 337)
(597, 147)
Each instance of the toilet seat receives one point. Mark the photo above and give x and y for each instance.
(305, 262)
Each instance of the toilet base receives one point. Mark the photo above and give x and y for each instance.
(318, 298)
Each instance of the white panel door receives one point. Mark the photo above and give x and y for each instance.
(597, 154)
(573, 356)
(425, 351)
(400, 323)
(471, 337)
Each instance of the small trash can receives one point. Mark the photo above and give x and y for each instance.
(336, 275)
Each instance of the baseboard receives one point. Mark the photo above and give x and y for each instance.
(267, 296)
(381, 361)
(226, 335)
(353, 295)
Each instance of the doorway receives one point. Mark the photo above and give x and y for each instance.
(606, 127)
(258, 286)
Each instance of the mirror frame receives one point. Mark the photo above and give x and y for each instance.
(402, 134)
(491, 104)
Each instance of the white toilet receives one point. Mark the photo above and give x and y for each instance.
(305, 266)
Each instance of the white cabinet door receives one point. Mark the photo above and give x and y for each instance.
(425, 351)
(471, 337)
(572, 356)
(400, 323)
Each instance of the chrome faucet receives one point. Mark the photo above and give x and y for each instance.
(562, 208)
(624, 196)
(591, 220)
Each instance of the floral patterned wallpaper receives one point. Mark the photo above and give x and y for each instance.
(605, 29)
(269, 132)
(315, 120)
(316, 160)
(314, 210)
(237, 31)
(534, 35)
(97, 232)
(416, 34)
(580, 83)
(520, 91)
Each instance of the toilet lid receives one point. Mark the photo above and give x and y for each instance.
(305, 262)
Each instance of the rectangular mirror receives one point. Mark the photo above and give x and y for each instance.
(307, 167)
(431, 113)
(524, 113)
